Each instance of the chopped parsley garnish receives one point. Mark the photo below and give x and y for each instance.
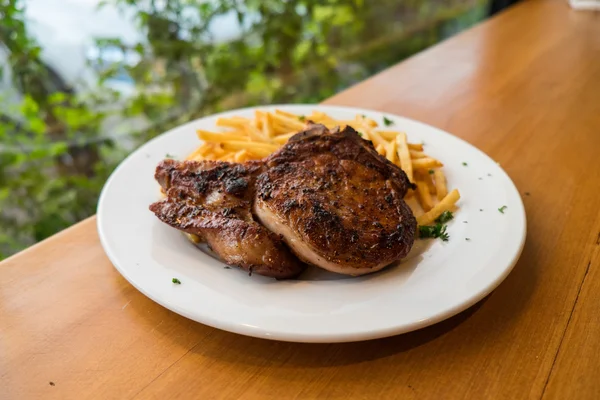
(302, 118)
(360, 134)
(445, 217)
(465, 164)
(169, 155)
(436, 231)
(431, 172)
(176, 281)
(501, 209)
(468, 239)
(439, 229)
(387, 121)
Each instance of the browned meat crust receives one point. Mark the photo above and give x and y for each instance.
(213, 200)
(338, 204)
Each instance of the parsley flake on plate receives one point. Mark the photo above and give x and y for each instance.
(176, 281)
(387, 121)
(435, 231)
(445, 217)
(501, 209)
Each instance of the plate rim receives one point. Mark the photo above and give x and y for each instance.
(324, 337)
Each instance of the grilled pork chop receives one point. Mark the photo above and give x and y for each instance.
(336, 202)
(212, 199)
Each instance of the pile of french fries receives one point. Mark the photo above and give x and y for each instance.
(255, 138)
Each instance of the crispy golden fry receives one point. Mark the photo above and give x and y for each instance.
(236, 145)
(391, 150)
(253, 132)
(282, 139)
(404, 155)
(413, 203)
(267, 125)
(426, 163)
(220, 137)
(289, 123)
(364, 132)
(440, 184)
(388, 135)
(380, 149)
(416, 146)
(235, 122)
(424, 196)
(258, 119)
(241, 156)
(417, 154)
(366, 121)
(374, 136)
(286, 114)
(257, 154)
(446, 204)
(427, 177)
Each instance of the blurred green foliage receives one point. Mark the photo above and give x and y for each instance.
(56, 155)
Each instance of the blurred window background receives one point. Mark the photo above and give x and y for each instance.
(84, 82)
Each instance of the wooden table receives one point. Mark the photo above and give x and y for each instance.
(525, 88)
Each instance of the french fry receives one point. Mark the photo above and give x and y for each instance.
(258, 153)
(286, 114)
(380, 149)
(250, 146)
(220, 137)
(235, 122)
(196, 154)
(440, 184)
(426, 163)
(416, 146)
(289, 123)
(374, 136)
(267, 125)
(446, 204)
(417, 154)
(424, 196)
(388, 135)
(428, 179)
(253, 132)
(282, 139)
(391, 151)
(241, 156)
(404, 155)
(258, 119)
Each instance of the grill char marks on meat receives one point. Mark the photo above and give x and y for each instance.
(337, 203)
(213, 200)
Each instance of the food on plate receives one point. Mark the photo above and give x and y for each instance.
(278, 186)
(212, 200)
(446, 204)
(256, 138)
(336, 202)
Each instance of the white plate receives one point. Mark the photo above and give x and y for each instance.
(442, 280)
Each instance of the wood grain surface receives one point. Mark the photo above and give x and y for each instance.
(525, 88)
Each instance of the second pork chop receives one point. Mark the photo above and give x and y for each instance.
(336, 202)
(212, 199)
